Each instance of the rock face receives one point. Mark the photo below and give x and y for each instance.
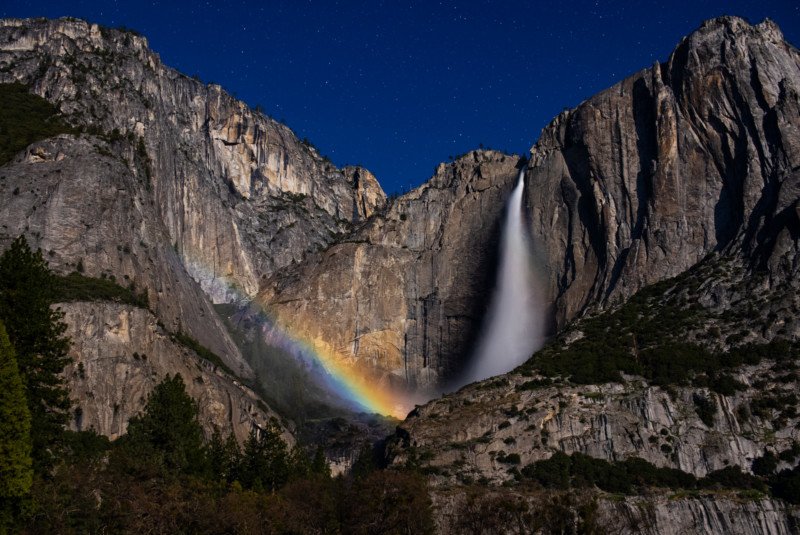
(402, 295)
(113, 232)
(698, 154)
(709, 514)
(120, 354)
(684, 419)
(638, 184)
(471, 433)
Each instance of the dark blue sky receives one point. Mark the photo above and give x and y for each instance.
(400, 86)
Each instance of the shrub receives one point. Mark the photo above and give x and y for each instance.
(15, 434)
(168, 430)
(36, 332)
(786, 485)
(706, 409)
(765, 465)
(644, 337)
(732, 477)
(77, 287)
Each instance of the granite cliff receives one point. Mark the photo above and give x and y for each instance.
(697, 155)
(168, 185)
(694, 155)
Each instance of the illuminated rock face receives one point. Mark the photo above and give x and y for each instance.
(120, 354)
(691, 169)
(203, 200)
(403, 295)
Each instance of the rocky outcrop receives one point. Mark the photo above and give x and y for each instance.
(402, 296)
(526, 512)
(87, 210)
(712, 514)
(369, 195)
(120, 353)
(173, 187)
(471, 433)
(698, 154)
(684, 417)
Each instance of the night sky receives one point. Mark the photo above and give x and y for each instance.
(400, 86)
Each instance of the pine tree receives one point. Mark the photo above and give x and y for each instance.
(169, 425)
(37, 334)
(224, 457)
(16, 471)
(319, 465)
(299, 463)
(265, 462)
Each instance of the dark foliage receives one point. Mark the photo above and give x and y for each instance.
(168, 433)
(145, 483)
(388, 502)
(562, 471)
(732, 477)
(16, 473)
(24, 119)
(706, 408)
(786, 485)
(162, 478)
(77, 287)
(201, 350)
(765, 465)
(265, 463)
(37, 334)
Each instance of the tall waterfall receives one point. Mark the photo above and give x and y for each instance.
(513, 328)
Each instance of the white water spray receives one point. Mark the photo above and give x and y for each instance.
(513, 329)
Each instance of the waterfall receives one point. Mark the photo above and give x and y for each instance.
(513, 327)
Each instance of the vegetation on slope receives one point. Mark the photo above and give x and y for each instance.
(15, 432)
(651, 335)
(35, 401)
(24, 119)
(201, 350)
(37, 334)
(78, 287)
(562, 471)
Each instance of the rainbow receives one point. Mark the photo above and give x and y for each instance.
(341, 377)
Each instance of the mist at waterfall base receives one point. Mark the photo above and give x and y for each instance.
(513, 327)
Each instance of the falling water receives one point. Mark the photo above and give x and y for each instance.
(514, 323)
